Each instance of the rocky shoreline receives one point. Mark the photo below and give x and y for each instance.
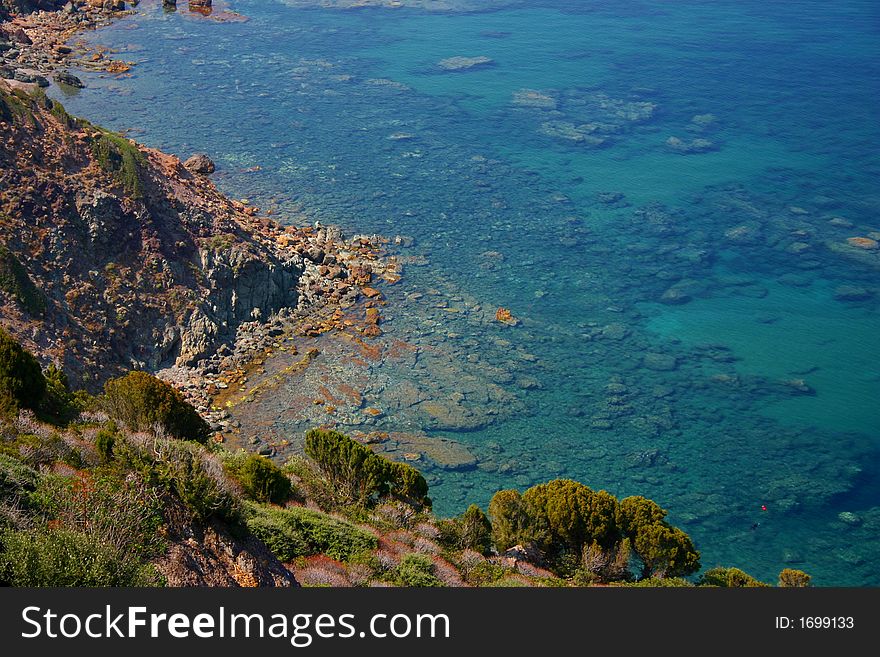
(261, 283)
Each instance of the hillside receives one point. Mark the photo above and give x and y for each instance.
(115, 256)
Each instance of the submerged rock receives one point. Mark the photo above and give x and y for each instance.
(865, 243)
(852, 293)
(688, 147)
(660, 362)
(535, 99)
(464, 63)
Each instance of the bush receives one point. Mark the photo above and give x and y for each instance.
(259, 478)
(57, 558)
(142, 402)
(665, 551)
(362, 476)
(16, 479)
(60, 403)
(660, 582)
(470, 531)
(104, 442)
(791, 578)
(415, 570)
(729, 578)
(297, 532)
(511, 524)
(583, 531)
(184, 470)
(569, 515)
(118, 156)
(21, 378)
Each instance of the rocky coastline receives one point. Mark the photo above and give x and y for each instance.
(204, 287)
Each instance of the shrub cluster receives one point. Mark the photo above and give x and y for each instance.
(183, 469)
(362, 476)
(141, 402)
(297, 532)
(260, 479)
(576, 528)
(22, 384)
(66, 557)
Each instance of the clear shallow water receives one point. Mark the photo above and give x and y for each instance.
(692, 403)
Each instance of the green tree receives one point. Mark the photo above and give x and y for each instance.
(637, 511)
(570, 515)
(142, 402)
(791, 578)
(476, 530)
(665, 551)
(733, 578)
(21, 380)
(60, 402)
(511, 524)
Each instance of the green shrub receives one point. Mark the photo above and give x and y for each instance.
(665, 551)
(61, 558)
(415, 570)
(184, 470)
(119, 509)
(142, 402)
(118, 156)
(15, 281)
(658, 582)
(16, 479)
(360, 475)
(791, 578)
(20, 375)
(729, 578)
(60, 403)
(259, 478)
(298, 532)
(104, 441)
(572, 524)
(511, 524)
(568, 515)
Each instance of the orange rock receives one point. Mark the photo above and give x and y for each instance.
(118, 67)
(863, 243)
(375, 412)
(504, 316)
(372, 316)
(370, 292)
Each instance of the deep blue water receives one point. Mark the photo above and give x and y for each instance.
(670, 292)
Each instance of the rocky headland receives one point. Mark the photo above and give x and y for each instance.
(117, 256)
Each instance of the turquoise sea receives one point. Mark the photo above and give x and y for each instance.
(662, 192)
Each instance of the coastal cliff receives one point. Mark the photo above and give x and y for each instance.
(116, 256)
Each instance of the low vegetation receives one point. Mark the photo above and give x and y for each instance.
(91, 490)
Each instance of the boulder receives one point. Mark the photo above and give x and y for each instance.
(200, 164)
(63, 77)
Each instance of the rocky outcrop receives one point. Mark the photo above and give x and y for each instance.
(211, 556)
(142, 263)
